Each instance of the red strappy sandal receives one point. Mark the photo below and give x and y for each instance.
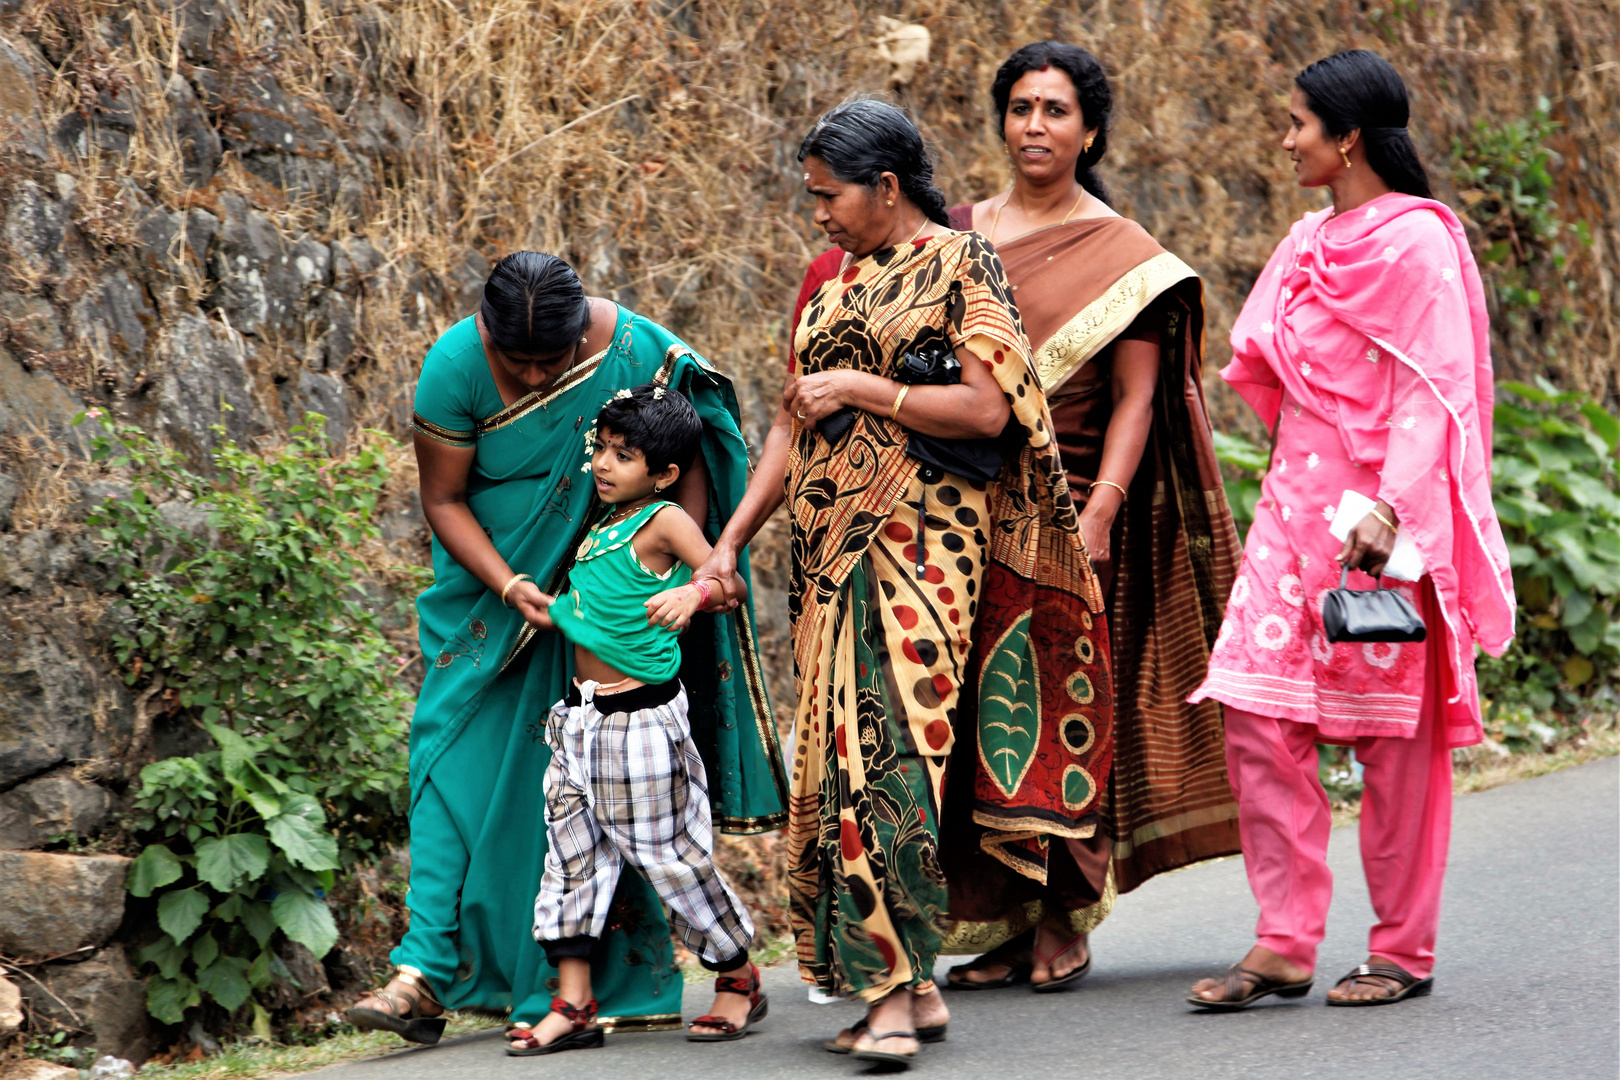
(758, 1006)
(586, 1033)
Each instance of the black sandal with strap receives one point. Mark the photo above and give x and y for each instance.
(1410, 985)
(1237, 978)
(935, 1034)
(885, 1057)
(1005, 955)
(404, 1020)
(758, 1006)
(586, 1033)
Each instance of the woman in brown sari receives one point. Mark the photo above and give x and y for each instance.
(921, 596)
(1116, 324)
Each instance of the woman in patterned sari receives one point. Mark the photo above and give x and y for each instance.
(1116, 323)
(503, 428)
(908, 581)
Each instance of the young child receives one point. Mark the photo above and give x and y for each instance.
(626, 784)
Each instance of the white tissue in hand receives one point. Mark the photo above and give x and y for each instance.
(1405, 562)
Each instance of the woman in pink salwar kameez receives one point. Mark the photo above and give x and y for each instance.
(1364, 347)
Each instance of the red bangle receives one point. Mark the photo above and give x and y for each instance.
(703, 590)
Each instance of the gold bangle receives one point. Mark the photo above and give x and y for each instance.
(1109, 483)
(1387, 524)
(515, 579)
(894, 413)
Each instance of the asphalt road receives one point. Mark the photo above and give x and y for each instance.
(1528, 982)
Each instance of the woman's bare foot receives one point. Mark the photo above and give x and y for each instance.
(732, 1007)
(998, 964)
(893, 1013)
(1367, 987)
(1260, 960)
(1058, 953)
(403, 997)
(928, 1008)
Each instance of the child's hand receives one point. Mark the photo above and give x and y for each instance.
(533, 605)
(674, 607)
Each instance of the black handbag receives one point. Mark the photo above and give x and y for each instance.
(1369, 614)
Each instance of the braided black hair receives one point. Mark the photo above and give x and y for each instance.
(863, 139)
(1357, 89)
(1091, 88)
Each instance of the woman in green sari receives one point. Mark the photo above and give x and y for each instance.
(503, 425)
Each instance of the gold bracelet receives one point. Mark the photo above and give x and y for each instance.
(515, 579)
(894, 413)
(1109, 483)
(1392, 528)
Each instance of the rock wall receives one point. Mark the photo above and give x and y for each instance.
(231, 212)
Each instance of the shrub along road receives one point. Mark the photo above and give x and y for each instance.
(1527, 983)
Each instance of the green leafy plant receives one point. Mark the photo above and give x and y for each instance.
(244, 602)
(1243, 467)
(1555, 487)
(1504, 177)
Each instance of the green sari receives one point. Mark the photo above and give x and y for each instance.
(478, 752)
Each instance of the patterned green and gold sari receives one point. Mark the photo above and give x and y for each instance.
(478, 751)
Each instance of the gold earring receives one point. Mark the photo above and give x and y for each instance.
(1345, 154)
(888, 202)
(1089, 142)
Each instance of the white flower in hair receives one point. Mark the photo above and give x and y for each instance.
(658, 394)
(621, 395)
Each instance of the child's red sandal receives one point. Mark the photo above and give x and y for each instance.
(758, 1006)
(586, 1033)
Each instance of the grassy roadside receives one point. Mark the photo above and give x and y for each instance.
(265, 1061)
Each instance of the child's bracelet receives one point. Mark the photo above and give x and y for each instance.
(703, 590)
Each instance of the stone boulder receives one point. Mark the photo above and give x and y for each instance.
(22, 130)
(11, 1014)
(47, 701)
(35, 1069)
(33, 813)
(206, 365)
(51, 905)
(107, 1001)
(35, 227)
(32, 400)
(199, 144)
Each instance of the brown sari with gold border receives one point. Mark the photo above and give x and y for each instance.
(1080, 287)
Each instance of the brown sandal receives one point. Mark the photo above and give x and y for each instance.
(758, 1006)
(1237, 978)
(405, 1018)
(1407, 985)
(586, 1033)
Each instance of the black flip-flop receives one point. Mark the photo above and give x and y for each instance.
(933, 1034)
(1411, 985)
(883, 1057)
(1018, 971)
(1236, 977)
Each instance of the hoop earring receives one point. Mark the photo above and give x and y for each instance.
(1345, 154)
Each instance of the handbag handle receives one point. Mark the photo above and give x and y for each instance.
(1344, 578)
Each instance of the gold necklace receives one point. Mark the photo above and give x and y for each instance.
(996, 222)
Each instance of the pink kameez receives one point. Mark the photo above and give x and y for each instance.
(1364, 345)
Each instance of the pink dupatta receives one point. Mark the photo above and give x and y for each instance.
(1398, 270)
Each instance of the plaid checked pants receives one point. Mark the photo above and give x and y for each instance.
(630, 787)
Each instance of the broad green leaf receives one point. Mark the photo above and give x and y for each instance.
(168, 999)
(181, 912)
(152, 869)
(1577, 669)
(300, 831)
(1529, 393)
(306, 920)
(226, 861)
(165, 954)
(1603, 422)
(204, 950)
(1577, 608)
(259, 971)
(1588, 637)
(226, 981)
(258, 920)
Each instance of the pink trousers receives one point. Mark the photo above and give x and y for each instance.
(1284, 821)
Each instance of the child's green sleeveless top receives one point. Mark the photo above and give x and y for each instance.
(603, 611)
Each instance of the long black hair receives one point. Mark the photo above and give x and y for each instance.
(534, 304)
(863, 139)
(1091, 88)
(1357, 89)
